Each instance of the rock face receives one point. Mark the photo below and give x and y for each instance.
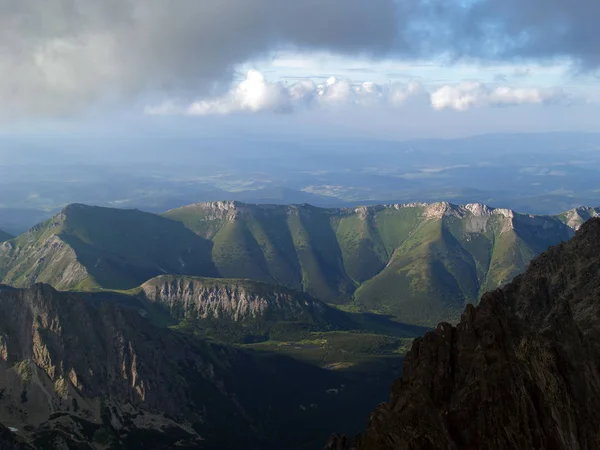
(65, 361)
(520, 371)
(233, 300)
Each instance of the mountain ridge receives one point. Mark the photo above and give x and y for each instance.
(421, 262)
(377, 255)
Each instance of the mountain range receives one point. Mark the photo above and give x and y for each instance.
(166, 348)
(419, 262)
(520, 370)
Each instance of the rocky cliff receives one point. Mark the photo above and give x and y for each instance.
(71, 369)
(520, 371)
(233, 300)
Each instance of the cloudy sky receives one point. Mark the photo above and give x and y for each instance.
(395, 68)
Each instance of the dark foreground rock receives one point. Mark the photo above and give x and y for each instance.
(520, 371)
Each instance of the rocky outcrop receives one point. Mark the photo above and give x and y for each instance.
(63, 356)
(520, 371)
(578, 216)
(233, 300)
(74, 370)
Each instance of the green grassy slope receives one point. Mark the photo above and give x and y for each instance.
(448, 261)
(87, 247)
(418, 262)
(429, 276)
(288, 245)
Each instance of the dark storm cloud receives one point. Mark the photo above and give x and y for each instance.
(59, 55)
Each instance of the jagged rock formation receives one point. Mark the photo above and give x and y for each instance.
(66, 363)
(520, 371)
(233, 300)
(576, 217)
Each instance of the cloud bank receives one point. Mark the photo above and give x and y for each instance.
(469, 95)
(256, 94)
(57, 56)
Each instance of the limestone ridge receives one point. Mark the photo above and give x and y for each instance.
(521, 370)
(234, 300)
(576, 217)
(387, 258)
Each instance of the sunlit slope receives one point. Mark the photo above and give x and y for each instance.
(420, 262)
(576, 217)
(295, 246)
(452, 257)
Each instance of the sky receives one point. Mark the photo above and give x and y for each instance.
(389, 68)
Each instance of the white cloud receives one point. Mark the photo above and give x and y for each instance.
(256, 94)
(252, 95)
(467, 95)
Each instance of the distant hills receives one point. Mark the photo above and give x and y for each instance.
(4, 236)
(418, 262)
